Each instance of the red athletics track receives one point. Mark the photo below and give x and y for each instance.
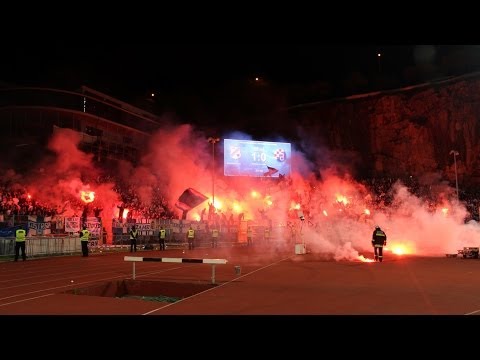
(278, 283)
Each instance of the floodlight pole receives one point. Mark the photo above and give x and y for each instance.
(455, 153)
(213, 141)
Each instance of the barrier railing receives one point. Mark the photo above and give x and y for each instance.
(42, 246)
(213, 262)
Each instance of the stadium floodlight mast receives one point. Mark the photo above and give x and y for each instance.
(213, 141)
(455, 153)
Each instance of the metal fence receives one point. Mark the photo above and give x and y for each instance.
(58, 245)
(142, 240)
(178, 240)
(42, 246)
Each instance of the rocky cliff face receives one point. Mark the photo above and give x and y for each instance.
(404, 132)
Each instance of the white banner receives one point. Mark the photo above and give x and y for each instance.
(176, 225)
(143, 227)
(37, 225)
(72, 224)
(181, 226)
(199, 226)
(38, 228)
(94, 226)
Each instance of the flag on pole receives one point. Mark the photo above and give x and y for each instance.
(189, 199)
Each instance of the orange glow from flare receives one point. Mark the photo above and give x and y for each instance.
(268, 200)
(400, 249)
(125, 213)
(237, 208)
(364, 259)
(342, 199)
(29, 196)
(87, 196)
(196, 217)
(218, 204)
(255, 194)
(445, 211)
(367, 212)
(294, 206)
(325, 212)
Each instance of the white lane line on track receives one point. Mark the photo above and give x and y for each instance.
(64, 269)
(97, 268)
(219, 286)
(90, 282)
(125, 271)
(473, 312)
(32, 298)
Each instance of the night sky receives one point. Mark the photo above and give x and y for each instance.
(204, 82)
(131, 69)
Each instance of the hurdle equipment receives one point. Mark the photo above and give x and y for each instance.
(212, 262)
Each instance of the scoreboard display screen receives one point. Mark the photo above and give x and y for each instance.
(256, 158)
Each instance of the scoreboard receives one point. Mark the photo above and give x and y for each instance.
(256, 158)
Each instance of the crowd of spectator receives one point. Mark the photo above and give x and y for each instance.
(16, 200)
(379, 196)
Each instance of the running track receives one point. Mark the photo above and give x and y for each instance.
(275, 283)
